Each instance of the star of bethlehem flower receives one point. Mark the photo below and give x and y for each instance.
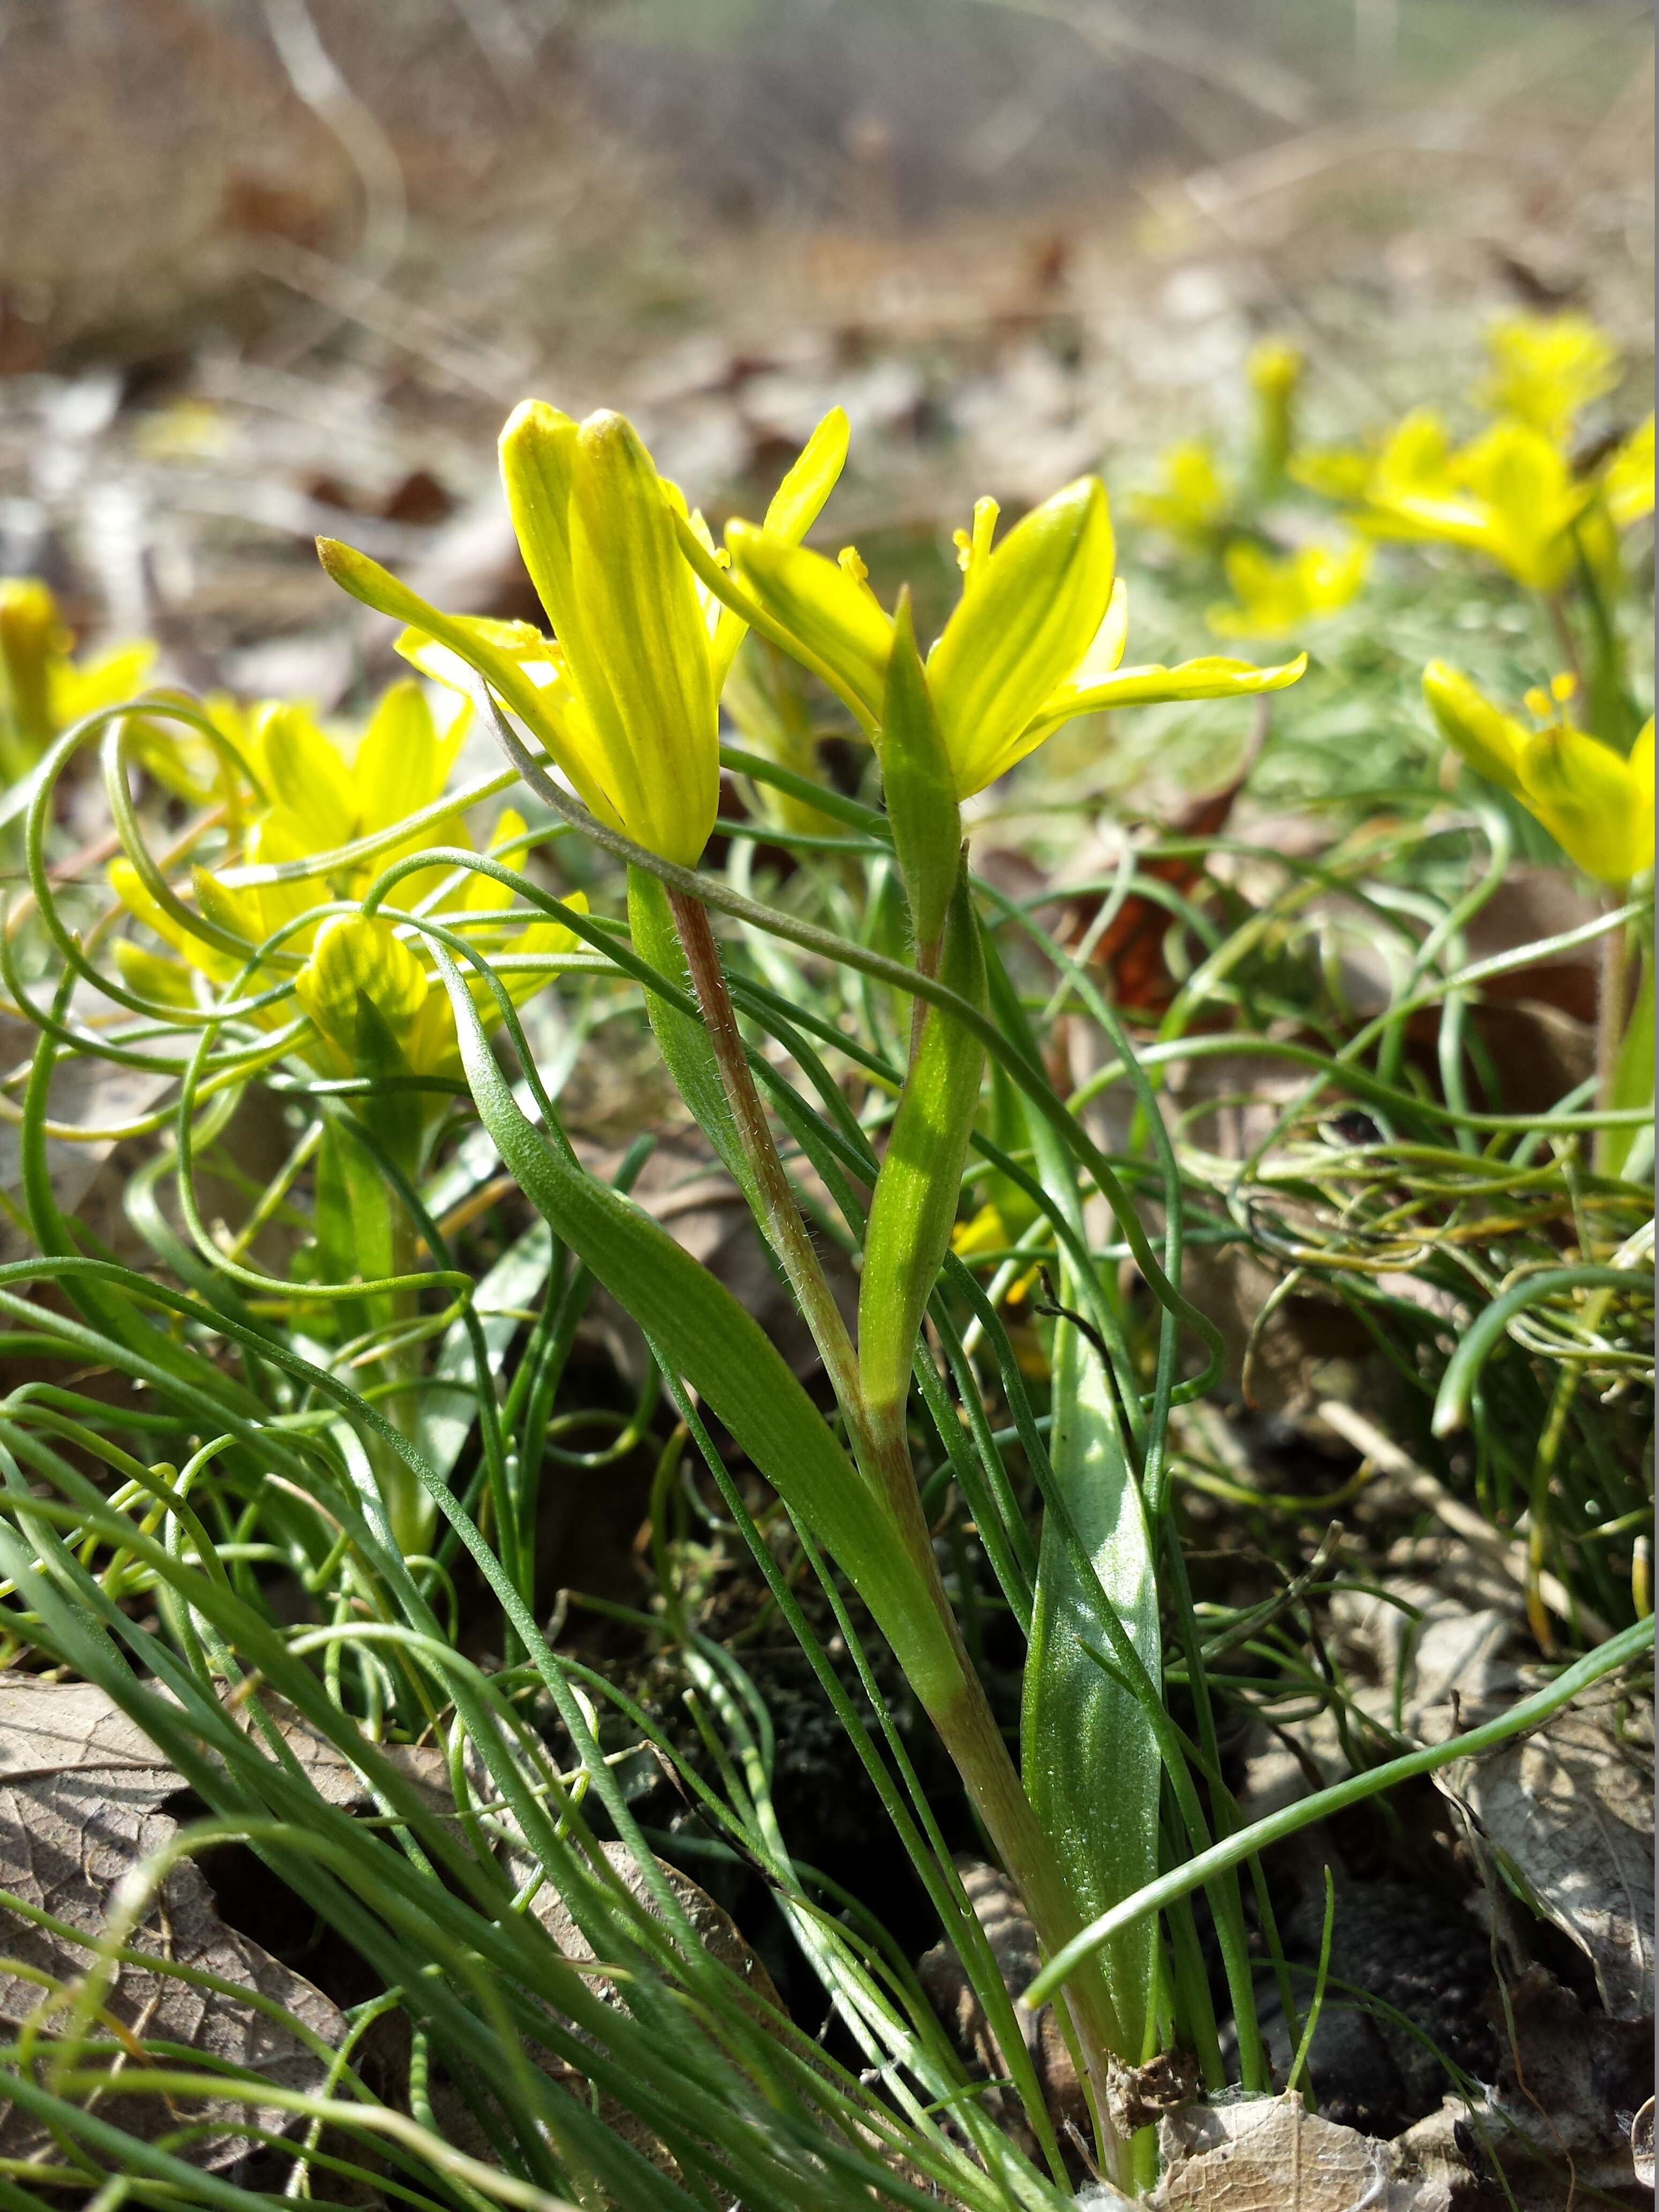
(1037, 637)
(1596, 803)
(1192, 502)
(623, 697)
(1509, 493)
(1627, 481)
(1276, 370)
(304, 801)
(44, 686)
(1546, 369)
(1279, 596)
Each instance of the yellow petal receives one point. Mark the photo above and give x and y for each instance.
(238, 912)
(1491, 742)
(1105, 653)
(1194, 501)
(523, 684)
(538, 451)
(199, 951)
(403, 762)
(1209, 678)
(152, 977)
(307, 778)
(638, 651)
(1628, 484)
(1587, 797)
(1029, 615)
(1340, 472)
(1279, 597)
(357, 956)
(1416, 458)
(1546, 368)
(78, 688)
(799, 500)
(839, 624)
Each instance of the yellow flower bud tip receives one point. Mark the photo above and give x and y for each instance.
(1563, 686)
(1275, 368)
(28, 611)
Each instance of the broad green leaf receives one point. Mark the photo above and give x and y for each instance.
(351, 1221)
(913, 1207)
(1092, 1768)
(705, 1335)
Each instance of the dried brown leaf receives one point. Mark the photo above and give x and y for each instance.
(84, 1802)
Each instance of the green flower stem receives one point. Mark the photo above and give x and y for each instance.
(965, 1722)
(780, 1217)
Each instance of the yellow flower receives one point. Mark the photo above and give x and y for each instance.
(1546, 369)
(1275, 369)
(1597, 804)
(1036, 638)
(1510, 495)
(1627, 481)
(1278, 598)
(43, 688)
(311, 804)
(1194, 500)
(623, 697)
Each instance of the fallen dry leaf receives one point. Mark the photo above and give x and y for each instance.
(1641, 2145)
(1570, 1810)
(84, 1802)
(1000, 1911)
(1273, 2155)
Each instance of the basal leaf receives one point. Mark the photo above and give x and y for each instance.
(702, 1331)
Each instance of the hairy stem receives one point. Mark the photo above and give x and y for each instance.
(781, 1222)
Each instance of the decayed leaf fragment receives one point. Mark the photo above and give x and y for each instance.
(84, 1803)
(1273, 2156)
(1570, 1810)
